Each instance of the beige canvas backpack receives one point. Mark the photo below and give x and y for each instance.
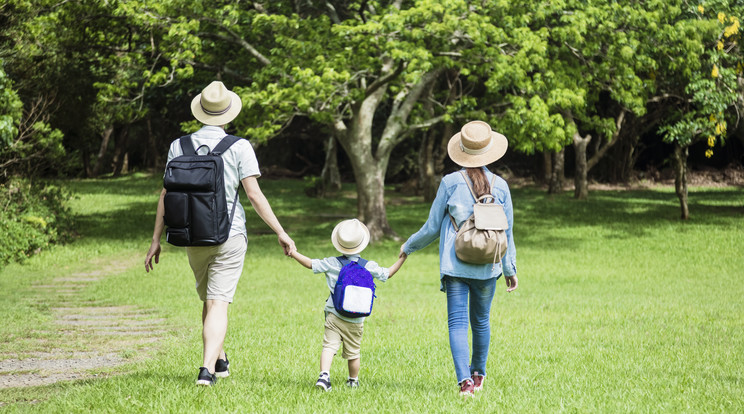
(482, 237)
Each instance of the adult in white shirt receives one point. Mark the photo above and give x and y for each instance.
(217, 269)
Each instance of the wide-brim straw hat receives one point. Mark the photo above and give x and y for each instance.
(350, 236)
(476, 145)
(216, 105)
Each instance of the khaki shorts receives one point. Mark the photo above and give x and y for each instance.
(338, 331)
(217, 269)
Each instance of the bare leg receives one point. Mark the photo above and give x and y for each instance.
(326, 358)
(354, 365)
(214, 319)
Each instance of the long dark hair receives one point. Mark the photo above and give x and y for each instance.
(481, 186)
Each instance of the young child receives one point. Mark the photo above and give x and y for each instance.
(349, 237)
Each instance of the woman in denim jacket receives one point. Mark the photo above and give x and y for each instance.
(474, 147)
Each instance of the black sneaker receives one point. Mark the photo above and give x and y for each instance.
(222, 368)
(324, 382)
(352, 383)
(205, 378)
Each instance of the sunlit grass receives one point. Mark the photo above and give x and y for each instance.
(621, 308)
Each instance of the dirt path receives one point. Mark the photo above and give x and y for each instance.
(93, 338)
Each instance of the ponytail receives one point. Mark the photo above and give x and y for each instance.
(481, 186)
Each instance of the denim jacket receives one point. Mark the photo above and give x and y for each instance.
(454, 197)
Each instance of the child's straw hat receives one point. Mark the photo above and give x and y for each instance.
(350, 236)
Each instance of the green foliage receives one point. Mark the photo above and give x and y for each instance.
(715, 87)
(10, 110)
(33, 216)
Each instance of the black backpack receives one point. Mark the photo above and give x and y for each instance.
(195, 200)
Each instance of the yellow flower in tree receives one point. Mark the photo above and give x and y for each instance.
(712, 118)
(714, 72)
(701, 9)
(720, 128)
(719, 46)
(711, 141)
(722, 17)
(732, 30)
(708, 153)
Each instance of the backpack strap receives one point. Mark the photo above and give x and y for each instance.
(220, 149)
(187, 146)
(475, 197)
(344, 261)
(225, 144)
(470, 187)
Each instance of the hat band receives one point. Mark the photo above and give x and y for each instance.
(351, 247)
(478, 151)
(215, 113)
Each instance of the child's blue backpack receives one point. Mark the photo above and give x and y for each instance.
(354, 293)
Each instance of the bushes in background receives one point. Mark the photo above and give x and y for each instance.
(32, 216)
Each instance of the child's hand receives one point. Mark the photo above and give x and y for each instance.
(396, 266)
(301, 259)
(402, 252)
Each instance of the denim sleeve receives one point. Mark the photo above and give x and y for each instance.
(430, 230)
(509, 262)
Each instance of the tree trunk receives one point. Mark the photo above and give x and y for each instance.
(369, 171)
(431, 161)
(680, 178)
(370, 166)
(557, 175)
(331, 178)
(120, 152)
(547, 168)
(370, 180)
(581, 186)
(151, 157)
(102, 151)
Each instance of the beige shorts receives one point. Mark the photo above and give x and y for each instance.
(338, 331)
(217, 269)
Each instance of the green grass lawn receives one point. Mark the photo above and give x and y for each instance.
(621, 307)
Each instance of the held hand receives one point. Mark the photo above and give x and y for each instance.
(511, 283)
(153, 252)
(287, 244)
(402, 252)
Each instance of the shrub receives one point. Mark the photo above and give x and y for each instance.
(33, 216)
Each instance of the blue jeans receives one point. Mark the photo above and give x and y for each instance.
(479, 294)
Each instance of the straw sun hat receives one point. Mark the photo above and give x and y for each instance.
(476, 145)
(350, 236)
(216, 105)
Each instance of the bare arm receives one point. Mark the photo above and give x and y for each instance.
(302, 259)
(263, 209)
(396, 266)
(154, 251)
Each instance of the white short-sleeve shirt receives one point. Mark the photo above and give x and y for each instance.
(239, 161)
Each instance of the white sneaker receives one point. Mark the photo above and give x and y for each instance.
(324, 382)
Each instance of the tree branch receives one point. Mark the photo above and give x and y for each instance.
(237, 39)
(385, 79)
(615, 136)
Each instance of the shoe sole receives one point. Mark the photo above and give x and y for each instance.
(205, 383)
(223, 374)
(320, 387)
